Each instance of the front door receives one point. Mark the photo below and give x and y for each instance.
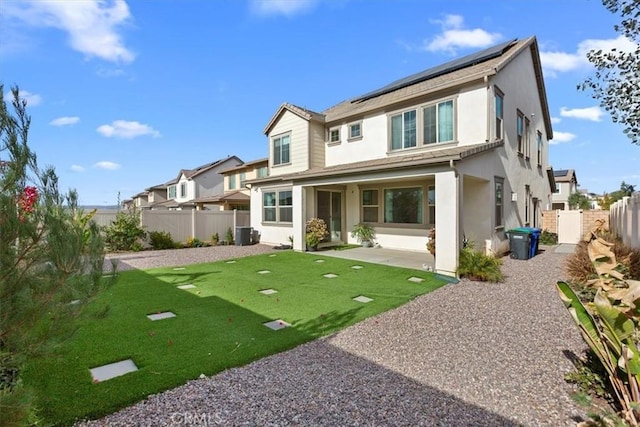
(329, 205)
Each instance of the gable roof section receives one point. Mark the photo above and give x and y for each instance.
(453, 73)
(248, 165)
(192, 173)
(388, 163)
(565, 175)
(235, 196)
(298, 111)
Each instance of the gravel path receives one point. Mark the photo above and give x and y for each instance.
(468, 354)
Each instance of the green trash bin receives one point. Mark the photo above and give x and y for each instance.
(520, 243)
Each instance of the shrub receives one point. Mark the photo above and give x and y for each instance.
(316, 230)
(548, 238)
(475, 265)
(161, 240)
(215, 238)
(124, 231)
(194, 242)
(229, 236)
(578, 265)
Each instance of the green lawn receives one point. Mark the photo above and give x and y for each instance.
(219, 324)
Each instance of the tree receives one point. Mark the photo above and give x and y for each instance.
(608, 199)
(51, 261)
(579, 201)
(617, 78)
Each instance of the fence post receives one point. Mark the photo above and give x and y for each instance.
(193, 223)
(235, 223)
(635, 223)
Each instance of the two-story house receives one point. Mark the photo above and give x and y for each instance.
(236, 195)
(462, 147)
(566, 185)
(193, 184)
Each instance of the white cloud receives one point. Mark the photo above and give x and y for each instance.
(559, 137)
(31, 98)
(555, 62)
(455, 36)
(127, 130)
(107, 165)
(591, 113)
(281, 7)
(92, 26)
(555, 120)
(64, 121)
(77, 168)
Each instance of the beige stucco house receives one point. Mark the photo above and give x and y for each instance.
(462, 147)
(236, 195)
(566, 185)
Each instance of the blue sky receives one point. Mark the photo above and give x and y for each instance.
(125, 94)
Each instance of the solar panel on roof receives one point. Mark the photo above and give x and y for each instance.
(448, 67)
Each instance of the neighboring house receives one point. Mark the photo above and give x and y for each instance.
(462, 146)
(140, 200)
(566, 185)
(236, 195)
(193, 184)
(127, 204)
(156, 195)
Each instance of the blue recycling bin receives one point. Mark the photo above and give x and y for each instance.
(535, 238)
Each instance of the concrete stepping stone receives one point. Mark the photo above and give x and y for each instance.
(415, 279)
(264, 272)
(357, 267)
(272, 255)
(231, 262)
(179, 268)
(277, 324)
(363, 299)
(186, 287)
(319, 260)
(75, 302)
(330, 276)
(268, 291)
(112, 370)
(106, 276)
(160, 316)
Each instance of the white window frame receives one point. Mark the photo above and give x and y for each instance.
(539, 146)
(242, 177)
(183, 190)
(333, 135)
(370, 206)
(351, 127)
(232, 181)
(419, 124)
(172, 189)
(520, 131)
(280, 161)
(431, 206)
(262, 172)
(527, 140)
(436, 106)
(402, 115)
(498, 202)
(278, 207)
(499, 123)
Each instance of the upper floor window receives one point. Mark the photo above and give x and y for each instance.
(171, 192)
(232, 181)
(520, 132)
(438, 122)
(539, 145)
(262, 172)
(355, 131)
(243, 178)
(183, 189)
(334, 135)
(499, 113)
(403, 130)
(499, 202)
(281, 149)
(527, 141)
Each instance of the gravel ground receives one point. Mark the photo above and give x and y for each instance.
(468, 354)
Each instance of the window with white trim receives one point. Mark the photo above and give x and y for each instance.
(520, 131)
(171, 192)
(403, 130)
(499, 201)
(243, 179)
(334, 135)
(499, 113)
(431, 204)
(183, 189)
(527, 141)
(370, 206)
(438, 122)
(429, 124)
(403, 205)
(232, 181)
(262, 172)
(355, 131)
(281, 149)
(277, 206)
(539, 145)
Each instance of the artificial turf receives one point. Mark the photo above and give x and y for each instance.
(218, 324)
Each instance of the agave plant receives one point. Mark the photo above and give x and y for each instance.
(609, 324)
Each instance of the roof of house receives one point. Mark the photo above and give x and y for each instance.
(192, 173)
(395, 162)
(235, 196)
(299, 111)
(453, 73)
(252, 163)
(171, 204)
(565, 175)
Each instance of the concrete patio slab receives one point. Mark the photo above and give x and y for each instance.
(161, 316)
(277, 324)
(112, 370)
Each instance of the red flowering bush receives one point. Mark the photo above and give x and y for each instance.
(27, 201)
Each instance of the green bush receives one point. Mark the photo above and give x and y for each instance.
(475, 265)
(161, 240)
(548, 238)
(194, 242)
(123, 232)
(229, 236)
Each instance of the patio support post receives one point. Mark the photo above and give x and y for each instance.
(299, 215)
(447, 222)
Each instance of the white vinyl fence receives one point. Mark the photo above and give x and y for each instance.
(184, 224)
(625, 220)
